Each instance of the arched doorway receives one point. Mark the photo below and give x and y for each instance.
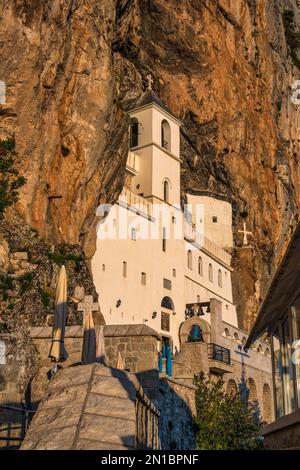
(267, 404)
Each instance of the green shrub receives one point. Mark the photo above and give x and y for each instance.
(10, 180)
(46, 299)
(225, 422)
(25, 281)
(6, 283)
(61, 258)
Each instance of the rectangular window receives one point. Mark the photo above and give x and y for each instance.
(167, 284)
(165, 321)
(288, 377)
(215, 219)
(133, 234)
(296, 346)
(143, 279)
(124, 269)
(277, 368)
(174, 272)
(103, 267)
(164, 239)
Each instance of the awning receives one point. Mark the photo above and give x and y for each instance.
(284, 283)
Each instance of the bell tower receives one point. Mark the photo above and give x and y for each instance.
(155, 142)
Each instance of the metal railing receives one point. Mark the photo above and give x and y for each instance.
(202, 241)
(135, 202)
(26, 416)
(218, 353)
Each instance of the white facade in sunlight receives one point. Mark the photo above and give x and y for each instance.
(148, 265)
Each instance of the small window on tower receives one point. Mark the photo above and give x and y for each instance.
(174, 272)
(134, 133)
(165, 135)
(133, 234)
(124, 269)
(164, 239)
(166, 191)
(143, 279)
(215, 219)
(103, 267)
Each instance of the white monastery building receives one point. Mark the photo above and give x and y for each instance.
(165, 262)
(154, 259)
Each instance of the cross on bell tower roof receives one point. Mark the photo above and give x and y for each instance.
(149, 82)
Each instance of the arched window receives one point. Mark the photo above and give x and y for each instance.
(200, 266)
(196, 334)
(267, 352)
(167, 303)
(2, 92)
(220, 282)
(210, 272)
(166, 191)
(267, 404)
(165, 135)
(134, 133)
(252, 391)
(244, 339)
(189, 259)
(231, 388)
(226, 333)
(236, 337)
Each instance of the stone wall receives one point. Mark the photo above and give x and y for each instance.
(176, 402)
(284, 433)
(137, 345)
(93, 407)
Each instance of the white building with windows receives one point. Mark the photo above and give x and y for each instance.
(168, 266)
(154, 259)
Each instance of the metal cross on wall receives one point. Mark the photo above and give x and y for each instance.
(245, 233)
(88, 305)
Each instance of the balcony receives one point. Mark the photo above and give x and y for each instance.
(191, 234)
(219, 358)
(135, 203)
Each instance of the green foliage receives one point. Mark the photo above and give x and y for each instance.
(60, 258)
(3, 327)
(6, 283)
(46, 299)
(292, 36)
(25, 281)
(10, 181)
(224, 422)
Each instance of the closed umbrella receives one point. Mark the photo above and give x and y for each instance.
(58, 352)
(100, 345)
(120, 362)
(89, 339)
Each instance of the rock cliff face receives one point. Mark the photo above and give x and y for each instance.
(226, 68)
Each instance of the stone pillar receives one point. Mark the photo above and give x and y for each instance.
(216, 321)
